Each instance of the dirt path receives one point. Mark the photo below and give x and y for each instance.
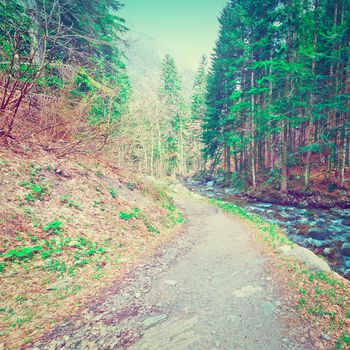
(208, 289)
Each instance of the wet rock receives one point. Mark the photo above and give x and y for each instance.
(328, 251)
(319, 233)
(317, 243)
(345, 249)
(347, 274)
(264, 205)
(346, 222)
(303, 204)
(302, 241)
(345, 213)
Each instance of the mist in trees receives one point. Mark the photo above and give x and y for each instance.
(163, 133)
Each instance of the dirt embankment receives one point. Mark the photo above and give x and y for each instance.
(305, 199)
(67, 229)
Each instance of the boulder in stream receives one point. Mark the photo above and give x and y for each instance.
(345, 213)
(319, 233)
(345, 249)
(346, 222)
(347, 274)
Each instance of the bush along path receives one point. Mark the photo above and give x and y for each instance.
(213, 287)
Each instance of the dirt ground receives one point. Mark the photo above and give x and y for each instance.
(210, 288)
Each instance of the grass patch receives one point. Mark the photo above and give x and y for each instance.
(271, 232)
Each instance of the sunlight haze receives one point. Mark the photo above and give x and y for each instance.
(188, 28)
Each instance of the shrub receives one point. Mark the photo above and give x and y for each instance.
(53, 227)
(21, 253)
(136, 213)
(112, 192)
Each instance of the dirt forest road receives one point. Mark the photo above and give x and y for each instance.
(207, 289)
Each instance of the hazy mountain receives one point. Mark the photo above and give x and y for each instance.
(144, 56)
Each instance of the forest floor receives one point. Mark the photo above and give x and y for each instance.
(215, 286)
(69, 228)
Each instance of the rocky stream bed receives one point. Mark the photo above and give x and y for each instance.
(324, 231)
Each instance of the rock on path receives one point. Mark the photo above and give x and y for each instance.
(207, 289)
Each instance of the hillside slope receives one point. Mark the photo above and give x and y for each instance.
(144, 56)
(67, 229)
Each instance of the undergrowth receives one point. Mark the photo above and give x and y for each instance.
(67, 225)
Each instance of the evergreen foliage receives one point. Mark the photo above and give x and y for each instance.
(279, 90)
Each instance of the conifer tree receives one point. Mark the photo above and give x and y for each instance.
(174, 123)
(278, 92)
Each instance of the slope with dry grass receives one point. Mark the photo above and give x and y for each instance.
(68, 228)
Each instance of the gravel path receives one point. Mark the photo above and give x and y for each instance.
(207, 289)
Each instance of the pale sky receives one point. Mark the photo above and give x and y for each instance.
(189, 28)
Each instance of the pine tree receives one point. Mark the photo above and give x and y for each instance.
(173, 125)
(278, 91)
(198, 112)
(198, 103)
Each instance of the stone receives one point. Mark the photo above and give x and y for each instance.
(171, 282)
(347, 274)
(284, 249)
(328, 251)
(196, 195)
(247, 291)
(268, 308)
(345, 249)
(345, 213)
(317, 243)
(152, 321)
(346, 222)
(60, 285)
(326, 337)
(319, 233)
(307, 257)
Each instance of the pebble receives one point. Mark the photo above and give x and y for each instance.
(326, 337)
(171, 282)
(152, 321)
(60, 285)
